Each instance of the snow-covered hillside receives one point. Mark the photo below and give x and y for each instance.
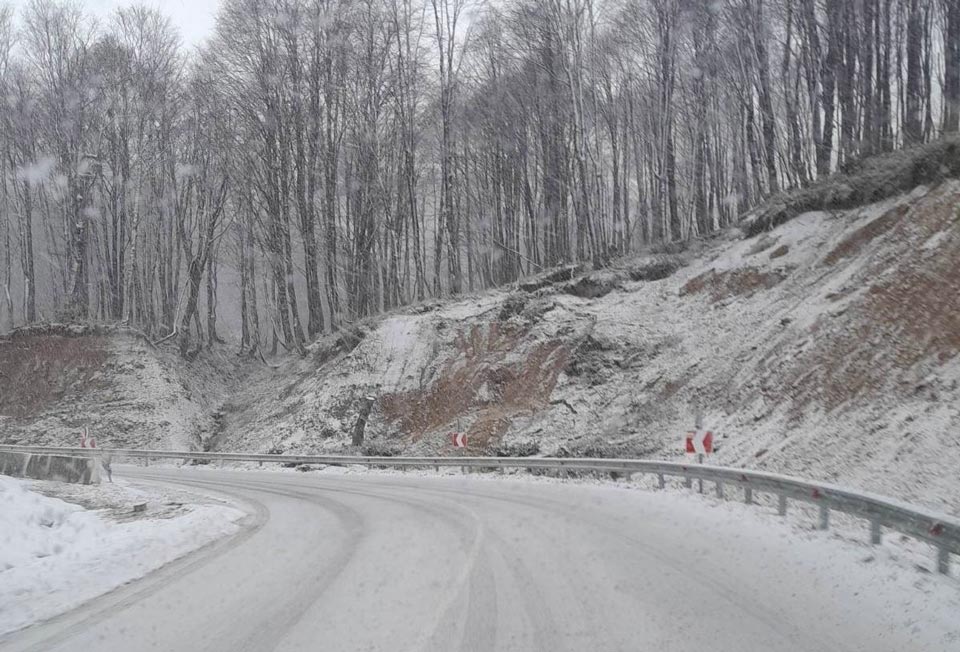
(825, 348)
(55, 381)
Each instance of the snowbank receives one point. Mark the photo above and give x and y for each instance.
(55, 555)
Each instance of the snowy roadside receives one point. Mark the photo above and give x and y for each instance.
(56, 555)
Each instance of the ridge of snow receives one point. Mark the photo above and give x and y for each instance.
(56, 555)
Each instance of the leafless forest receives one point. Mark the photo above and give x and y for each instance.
(332, 159)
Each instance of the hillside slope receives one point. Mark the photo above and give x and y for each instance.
(825, 348)
(57, 380)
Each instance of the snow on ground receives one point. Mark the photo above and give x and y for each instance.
(112, 381)
(818, 350)
(297, 409)
(56, 555)
(836, 567)
(731, 544)
(803, 518)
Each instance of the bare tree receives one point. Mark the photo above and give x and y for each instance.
(344, 146)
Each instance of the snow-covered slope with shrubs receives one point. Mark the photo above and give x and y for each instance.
(824, 348)
(57, 380)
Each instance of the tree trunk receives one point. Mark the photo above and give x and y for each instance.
(27, 256)
(828, 80)
(912, 120)
(358, 428)
(951, 77)
(194, 276)
(766, 103)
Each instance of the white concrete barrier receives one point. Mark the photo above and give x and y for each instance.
(41, 466)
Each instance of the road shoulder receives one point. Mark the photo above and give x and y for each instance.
(65, 545)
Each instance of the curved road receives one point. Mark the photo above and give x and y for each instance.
(379, 562)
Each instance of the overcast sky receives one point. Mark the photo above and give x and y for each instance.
(194, 18)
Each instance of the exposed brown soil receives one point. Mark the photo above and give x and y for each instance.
(910, 316)
(854, 243)
(732, 283)
(487, 430)
(37, 371)
(482, 383)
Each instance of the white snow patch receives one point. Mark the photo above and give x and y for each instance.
(935, 241)
(55, 555)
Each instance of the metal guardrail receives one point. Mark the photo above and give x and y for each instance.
(941, 531)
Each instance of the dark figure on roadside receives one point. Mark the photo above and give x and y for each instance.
(105, 462)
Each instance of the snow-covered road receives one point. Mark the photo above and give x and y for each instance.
(381, 562)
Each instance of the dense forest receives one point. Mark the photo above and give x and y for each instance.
(319, 161)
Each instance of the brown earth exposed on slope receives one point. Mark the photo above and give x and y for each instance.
(732, 283)
(909, 315)
(38, 371)
(56, 379)
(494, 377)
(856, 241)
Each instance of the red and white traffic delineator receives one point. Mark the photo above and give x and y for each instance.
(87, 441)
(458, 439)
(700, 441)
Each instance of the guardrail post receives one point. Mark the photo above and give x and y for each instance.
(875, 532)
(748, 495)
(719, 489)
(660, 481)
(943, 560)
(824, 517)
(782, 504)
(687, 481)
